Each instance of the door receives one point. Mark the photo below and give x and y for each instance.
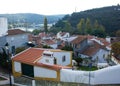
(27, 70)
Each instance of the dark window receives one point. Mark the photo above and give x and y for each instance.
(47, 54)
(63, 59)
(55, 61)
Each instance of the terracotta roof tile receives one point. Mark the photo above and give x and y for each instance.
(54, 67)
(91, 50)
(28, 56)
(49, 42)
(31, 56)
(15, 32)
(78, 39)
(43, 34)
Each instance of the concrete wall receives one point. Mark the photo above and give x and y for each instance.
(44, 73)
(17, 40)
(59, 56)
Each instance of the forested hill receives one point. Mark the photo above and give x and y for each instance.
(109, 17)
(30, 18)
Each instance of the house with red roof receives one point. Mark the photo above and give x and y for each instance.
(41, 64)
(79, 44)
(17, 38)
(49, 42)
(97, 53)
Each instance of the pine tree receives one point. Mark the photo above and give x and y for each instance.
(81, 26)
(68, 27)
(88, 26)
(45, 25)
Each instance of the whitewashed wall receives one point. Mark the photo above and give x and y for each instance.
(100, 54)
(47, 60)
(109, 75)
(44, 73)
(17, 40)
(17, 66)
(75, 76)
(54, 46)
(59, 56)
(3, 26)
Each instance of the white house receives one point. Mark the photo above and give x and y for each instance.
(97, 53)
(42, 64)
(17, 38)
(61, 35)
(3, 26)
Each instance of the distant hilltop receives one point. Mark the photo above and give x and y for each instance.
(31, 18)
(108, 16)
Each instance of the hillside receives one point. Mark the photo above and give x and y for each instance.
(109, 17)
(30, 18)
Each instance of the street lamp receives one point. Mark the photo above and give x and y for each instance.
(9, 62)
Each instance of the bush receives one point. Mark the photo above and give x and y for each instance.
(67, 48)
(20, 49)
(46, 46)
(78, 60)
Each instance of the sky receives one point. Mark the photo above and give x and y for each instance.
(52, 7)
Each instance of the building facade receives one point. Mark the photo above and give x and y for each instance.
(41, 63)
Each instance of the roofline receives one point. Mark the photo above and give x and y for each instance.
(21, 52)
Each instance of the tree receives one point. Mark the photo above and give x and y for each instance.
(68, 26)
(3, 58)
(88, 26)
(67, 48)
(96, 25)
(118, 33)
(19, 49)
(45, 25)
(46, 46)
(36, 31)
(98, 30)
(116, 49)
(81, 26)
(78, 60)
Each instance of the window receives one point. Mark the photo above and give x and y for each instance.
(47, 60)
(55, 60)
(63, 58)
(47, 54)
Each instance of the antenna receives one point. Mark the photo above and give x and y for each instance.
(75, 9)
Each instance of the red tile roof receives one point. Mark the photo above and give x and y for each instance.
(54, 67)
(49, 42)
(90, 36)
(31, 57)
(43, 34)
(78, 39)
(28, 56)
(15, 32)
(91, 50)
(103, 41)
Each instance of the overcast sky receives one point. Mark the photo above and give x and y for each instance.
(50, 7)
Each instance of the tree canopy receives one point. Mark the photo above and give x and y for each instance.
(45, 25)
(108, 17)
(116, 49)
